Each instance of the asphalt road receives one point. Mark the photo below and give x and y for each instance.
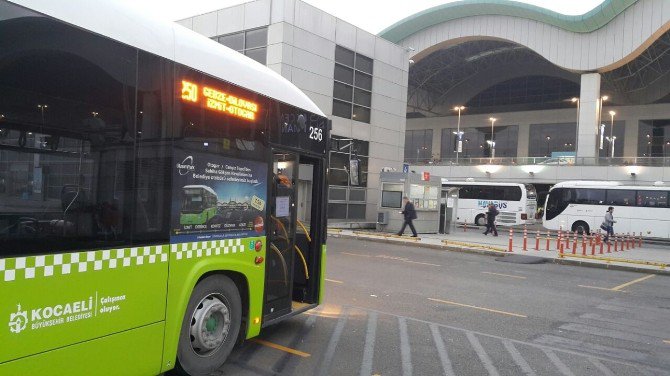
(399, 310)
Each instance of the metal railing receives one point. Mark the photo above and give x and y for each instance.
(560, 161)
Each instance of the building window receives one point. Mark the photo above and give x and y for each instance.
(252, 43)
(419, 145)
(653, 138)
(348, 178)
(476, 142)
(546, 139)
(352, 92)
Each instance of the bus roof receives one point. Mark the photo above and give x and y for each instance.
(608, 185)
(174, 42)
(208, 189)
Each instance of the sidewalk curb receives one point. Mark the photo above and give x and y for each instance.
(485, 252)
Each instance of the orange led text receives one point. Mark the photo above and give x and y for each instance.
(219, 101)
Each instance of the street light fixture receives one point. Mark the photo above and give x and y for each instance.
(459, 134)
(493, 143)
(611, 145)
(612, 113)
(576, 100)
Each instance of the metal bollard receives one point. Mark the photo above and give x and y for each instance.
(559, 237)
(639, 240)
(574, 243)
(609, 247)
(465, 227)
(537, 240)
(583, 244)
(621, 244)
(601, 243)
(511, 234)
(628, 241)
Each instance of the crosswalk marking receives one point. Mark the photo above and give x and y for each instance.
(481, 353)
(557, 362)
(441, 351)
(405, 349)
(369, 347)
(332, 344)
(518, 359)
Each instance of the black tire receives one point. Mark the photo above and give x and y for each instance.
(480, 220)
(580, 227)
(196, 360)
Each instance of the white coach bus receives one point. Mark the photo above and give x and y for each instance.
(581, 205)
(515, 202)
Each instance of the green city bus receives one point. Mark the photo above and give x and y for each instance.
(199, 205)
(106, 116)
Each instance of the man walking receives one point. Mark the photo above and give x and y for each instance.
(491, 220)
(409, 215)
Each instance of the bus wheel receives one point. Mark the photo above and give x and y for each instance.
(480, 220)
(210, 326)
(580, 227)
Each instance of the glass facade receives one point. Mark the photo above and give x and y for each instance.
(253, 43)
(475, 142)
(547, 138)
(348, 178)
(352, 91)
(653, 139)
(419, 145)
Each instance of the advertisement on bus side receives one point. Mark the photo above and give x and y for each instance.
(216, 197)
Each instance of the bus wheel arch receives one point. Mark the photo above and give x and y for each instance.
(581, 227)
(212, 323)
(480, 220)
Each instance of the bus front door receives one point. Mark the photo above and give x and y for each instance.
(296, 231)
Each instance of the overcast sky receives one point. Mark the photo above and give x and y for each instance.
(370, 15)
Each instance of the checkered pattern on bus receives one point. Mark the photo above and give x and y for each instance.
(206, 249)
(32, 267)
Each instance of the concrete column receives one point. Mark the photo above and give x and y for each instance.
(437, 142)
(589, 111)
(523, 141)
(630, 138)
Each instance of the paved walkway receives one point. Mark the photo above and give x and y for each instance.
(646, 258)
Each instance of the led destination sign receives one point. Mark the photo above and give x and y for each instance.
(217, 100)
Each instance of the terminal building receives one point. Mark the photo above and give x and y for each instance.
(487, 90)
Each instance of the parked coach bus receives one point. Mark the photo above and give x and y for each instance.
(107, 119)
(515, 202)
(581, 205)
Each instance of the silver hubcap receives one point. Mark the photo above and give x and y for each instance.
(210, 325)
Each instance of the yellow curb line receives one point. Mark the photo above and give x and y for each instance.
(333, 280)
(479, 308)
(281, 348)
(475, 245)
(392, 236)
(613, 259)
(599, 288)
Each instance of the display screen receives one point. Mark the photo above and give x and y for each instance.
(218, 100)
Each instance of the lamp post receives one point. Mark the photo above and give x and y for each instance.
(600, 110)
(548, 138)
(42, 108)
(612, 113)
(611, 145)
(459, 135)
(493, 143)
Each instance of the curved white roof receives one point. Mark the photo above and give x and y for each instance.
(173, 42)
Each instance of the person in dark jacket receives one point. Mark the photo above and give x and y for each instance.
(491, 220)
(409, 214)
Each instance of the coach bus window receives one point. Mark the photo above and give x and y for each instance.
(652, 199)
(619, 197)
(66, 137)
(557, 201)
(588, 196)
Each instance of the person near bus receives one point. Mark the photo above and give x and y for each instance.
(491, 220)
(409, 214)
(608, 223)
